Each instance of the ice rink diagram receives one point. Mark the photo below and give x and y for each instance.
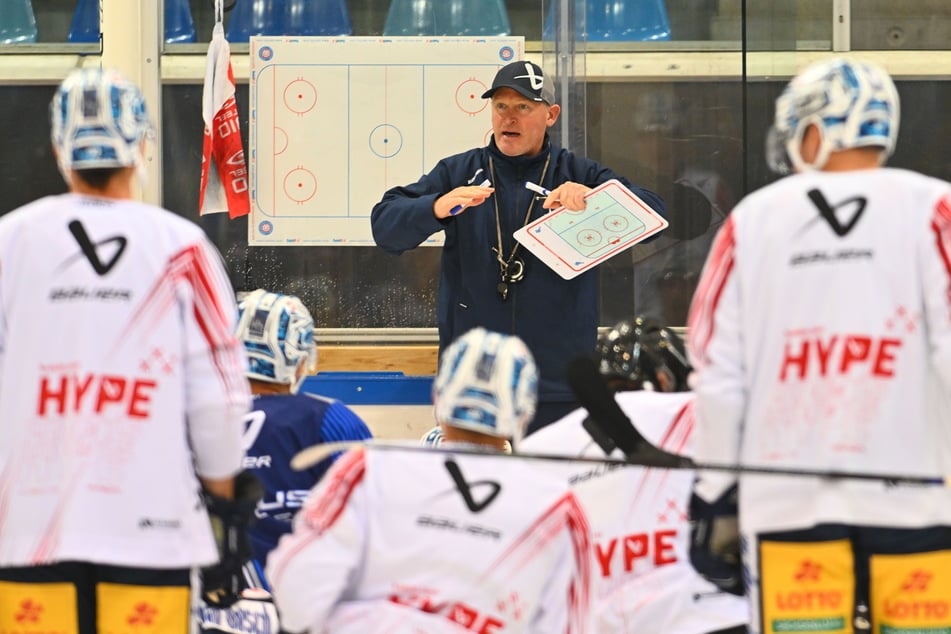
(335, 122)
(592, 233)
(571, 242)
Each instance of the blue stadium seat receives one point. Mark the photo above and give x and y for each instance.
(620, 20)
(447, 17)
(255, 17)
(17, 22)
(179, 25)
(288, 17)
(317, 17)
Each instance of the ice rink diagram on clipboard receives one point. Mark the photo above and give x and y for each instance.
(571, 242)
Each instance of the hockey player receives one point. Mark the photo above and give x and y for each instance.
(397, 540)
(123, 389)
(643, 578)
(821, 339)
(278, 335)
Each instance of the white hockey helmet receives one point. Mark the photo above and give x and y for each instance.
(853, 104)
(98, 120)
(488, 383)
(277, 332)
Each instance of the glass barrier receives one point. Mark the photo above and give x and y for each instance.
(770, 24)
(676, 115)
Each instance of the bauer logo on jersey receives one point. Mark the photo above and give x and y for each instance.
(157, 523)
(848, 211)
(466, 488)
(101, 259)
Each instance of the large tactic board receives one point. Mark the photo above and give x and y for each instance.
(335, 122)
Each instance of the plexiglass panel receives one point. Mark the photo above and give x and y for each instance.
(693, 131)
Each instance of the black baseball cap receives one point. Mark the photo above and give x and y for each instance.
(525, 78)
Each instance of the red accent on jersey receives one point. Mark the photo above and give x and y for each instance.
(941, 226)
(322, 512)
(192, 266)
(566, 512)
(710, 288)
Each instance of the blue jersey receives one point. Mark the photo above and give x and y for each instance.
(277, 427)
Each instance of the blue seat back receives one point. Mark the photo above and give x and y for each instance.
(179, 24)
(17, 22)
(619, 20)
(447, 17)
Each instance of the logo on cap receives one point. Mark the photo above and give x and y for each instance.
(536, 81)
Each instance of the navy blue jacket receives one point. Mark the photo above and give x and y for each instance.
(557, 318)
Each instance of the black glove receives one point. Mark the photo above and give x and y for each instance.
(222, 582)
(715, 542)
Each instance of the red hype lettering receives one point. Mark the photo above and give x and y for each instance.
(839, 354)
(72, 393)
(455, 611)
(657, 547)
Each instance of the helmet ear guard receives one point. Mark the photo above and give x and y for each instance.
(278, 336)
(488, 383)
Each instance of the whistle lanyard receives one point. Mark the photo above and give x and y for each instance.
(512, 268)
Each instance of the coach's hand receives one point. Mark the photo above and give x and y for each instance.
(459, 199)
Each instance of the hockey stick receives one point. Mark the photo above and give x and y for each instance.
(611, 422)
(310, 456)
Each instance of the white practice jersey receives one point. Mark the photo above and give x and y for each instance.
(820, 333)
(119, 380)
(643, 579)
(487, 543)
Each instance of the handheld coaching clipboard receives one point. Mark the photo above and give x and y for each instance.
(571, 242)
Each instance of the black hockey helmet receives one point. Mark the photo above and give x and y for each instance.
(644, 355)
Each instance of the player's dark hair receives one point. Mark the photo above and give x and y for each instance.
(97, 177)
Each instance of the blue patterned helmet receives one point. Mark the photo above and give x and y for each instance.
(854, 104)
(277, 332)
(488, 383)
(433, 438)
(98, 120)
